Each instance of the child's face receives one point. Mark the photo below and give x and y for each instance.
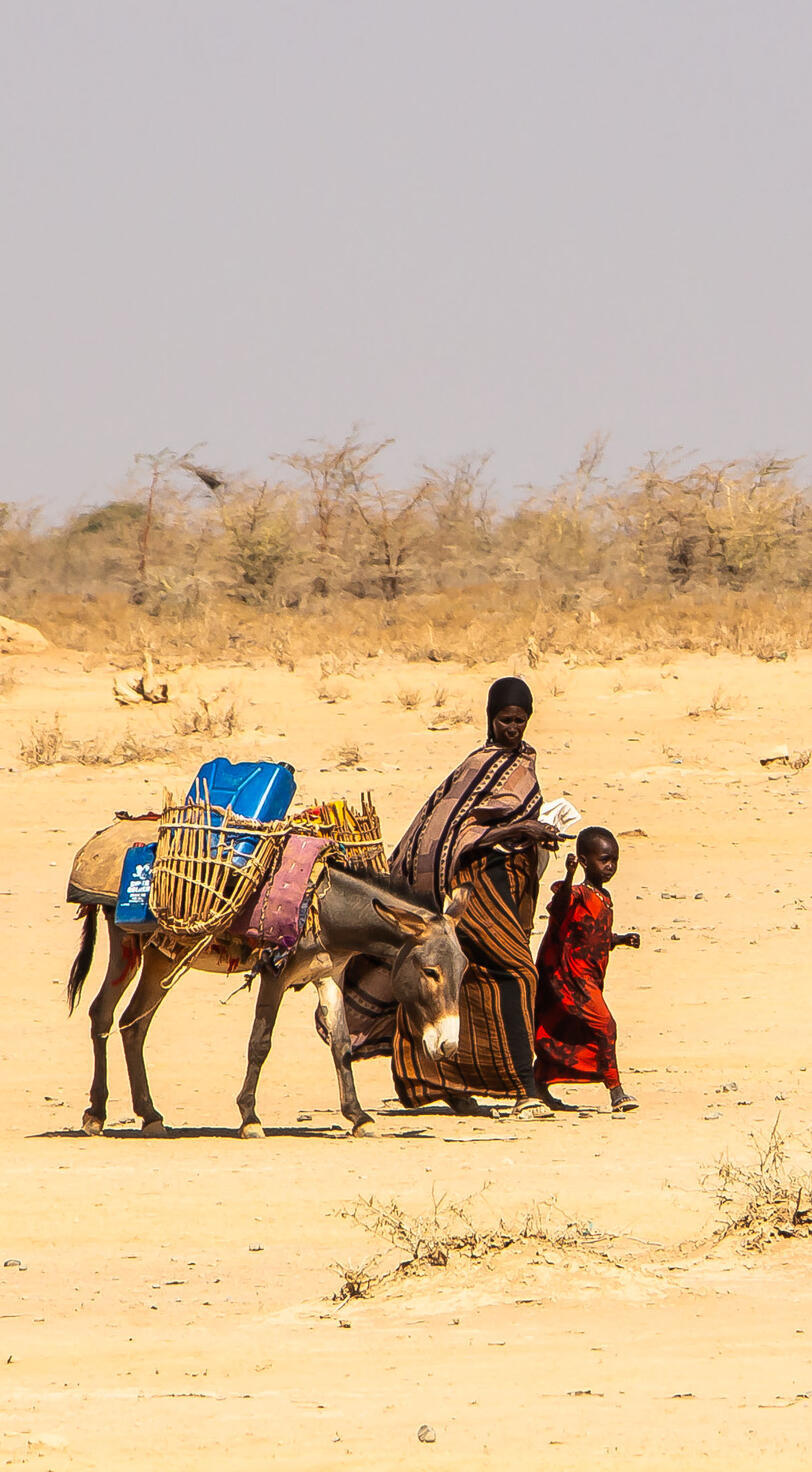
(600, 861)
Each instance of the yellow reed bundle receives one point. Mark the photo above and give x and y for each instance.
(356, 834)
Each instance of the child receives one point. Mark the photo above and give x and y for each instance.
(575, 1031)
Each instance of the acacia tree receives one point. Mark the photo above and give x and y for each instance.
(259, 521)
(394, 530)
(462, 517)
(331, 479)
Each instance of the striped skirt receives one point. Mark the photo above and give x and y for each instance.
(498, 991)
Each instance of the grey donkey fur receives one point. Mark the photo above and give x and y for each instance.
(356, 913)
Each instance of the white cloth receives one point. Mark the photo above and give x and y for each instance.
(560, 813)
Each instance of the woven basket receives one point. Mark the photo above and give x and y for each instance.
(357, 835)
(208, 862)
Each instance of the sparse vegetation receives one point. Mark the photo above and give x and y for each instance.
(766, 1200)
(451, 1231)
(46, 744)
(410, 698)
(348, 755)
(217, 717)
(325, 557)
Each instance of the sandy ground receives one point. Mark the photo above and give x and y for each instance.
(173, 1300)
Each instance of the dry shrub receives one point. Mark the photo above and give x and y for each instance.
(8, 682)
(45, 743)
(219, 717)
(448, 716)
(337, 664)
(332, 691)
(196, 563)
(410, 698)
(281, 653)
(767, 1200)
(130, 748)
(720, 704)
(451, 1231)
(348, 755)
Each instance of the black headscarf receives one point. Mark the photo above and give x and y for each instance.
(505, 692)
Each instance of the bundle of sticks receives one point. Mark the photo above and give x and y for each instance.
(356, 834)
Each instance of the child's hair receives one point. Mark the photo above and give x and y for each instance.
(587, 837)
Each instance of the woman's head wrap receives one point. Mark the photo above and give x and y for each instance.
(505, 692)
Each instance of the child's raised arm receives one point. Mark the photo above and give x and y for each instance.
(562, 895)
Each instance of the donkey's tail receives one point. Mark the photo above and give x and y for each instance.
(84, 956)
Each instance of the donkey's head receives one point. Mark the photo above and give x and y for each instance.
(428, 971)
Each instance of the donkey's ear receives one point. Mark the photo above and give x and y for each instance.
(410, 923)
(458, 904)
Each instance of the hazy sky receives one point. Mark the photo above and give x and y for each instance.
(472, 224)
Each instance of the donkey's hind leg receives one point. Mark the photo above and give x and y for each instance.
(125, 956)
(271, 992)
(331, 1007)
(145, 1002)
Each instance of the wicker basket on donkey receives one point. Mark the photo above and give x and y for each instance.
(208, 862)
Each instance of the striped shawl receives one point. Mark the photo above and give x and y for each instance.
(494, 785)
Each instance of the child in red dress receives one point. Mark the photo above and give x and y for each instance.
(575, 1031)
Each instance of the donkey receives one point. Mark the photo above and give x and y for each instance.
(356, 912)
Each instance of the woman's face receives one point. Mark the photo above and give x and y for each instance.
(508, 726)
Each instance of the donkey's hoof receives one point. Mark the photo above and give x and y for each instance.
(253, 1130)
(364, 1126)
(154, 1130)
(91, 1125)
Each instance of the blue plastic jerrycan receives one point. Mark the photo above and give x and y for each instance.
(260, 790)
(132, 907)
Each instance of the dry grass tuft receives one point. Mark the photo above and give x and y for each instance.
(348, 755)
(337, 664)
(46, 744)
(447, 1233)
(719, 705)
(219, 717)
(8, 682)
(447, 716)
(410, 698)
(767, 1201)
(332, 691)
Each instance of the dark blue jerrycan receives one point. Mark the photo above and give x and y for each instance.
(132, 907)
(260, 790)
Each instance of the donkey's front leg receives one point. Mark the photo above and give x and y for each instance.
(271, 991)
(331, 1006)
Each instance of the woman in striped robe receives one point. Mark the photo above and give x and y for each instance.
(480, 829)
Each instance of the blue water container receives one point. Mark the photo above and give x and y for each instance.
(260, 790)
(132, 908)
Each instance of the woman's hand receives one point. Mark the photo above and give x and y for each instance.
(629, 938)
(524, 832)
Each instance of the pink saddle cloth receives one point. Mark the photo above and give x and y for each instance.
(275, 916)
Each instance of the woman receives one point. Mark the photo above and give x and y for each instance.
(480, 829)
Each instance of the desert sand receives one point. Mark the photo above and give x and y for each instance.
(171, 1303)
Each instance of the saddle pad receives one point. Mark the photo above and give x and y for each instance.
(275, 916)
(95, 878)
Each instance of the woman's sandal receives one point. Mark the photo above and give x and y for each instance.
(624, 1103)
(531, 1109)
